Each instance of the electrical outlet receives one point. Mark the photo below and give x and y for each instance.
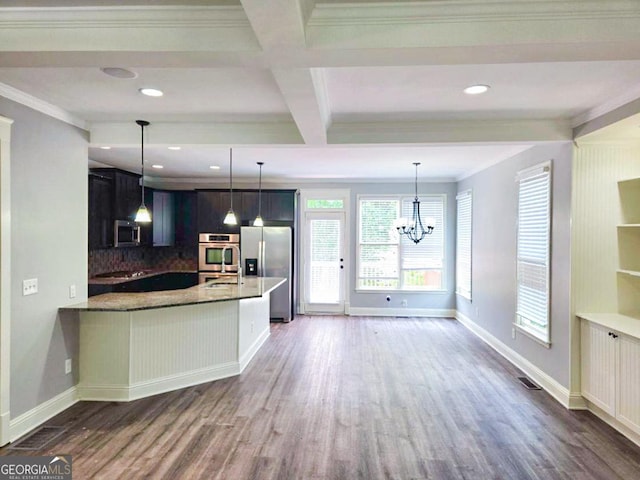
(513, 333)
(72, 291)
(477, 312)
(67, 366)
(29, 287)
(403, 303)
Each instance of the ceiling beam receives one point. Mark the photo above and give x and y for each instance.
(183, 133)
(279, 26)
(450, 131)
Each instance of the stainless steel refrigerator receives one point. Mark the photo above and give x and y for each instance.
(272, 247)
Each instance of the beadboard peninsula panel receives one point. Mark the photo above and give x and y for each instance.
(182, 339)
(104, 349)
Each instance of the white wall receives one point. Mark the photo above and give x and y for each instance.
(49, 242)
(415, 300)
(494, 257)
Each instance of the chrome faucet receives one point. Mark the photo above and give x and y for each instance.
(223, 266)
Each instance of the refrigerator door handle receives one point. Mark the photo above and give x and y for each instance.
(261, 259)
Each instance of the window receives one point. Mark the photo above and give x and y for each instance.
(336, 204)
(389, 261)
(463, 245)
(533, 251)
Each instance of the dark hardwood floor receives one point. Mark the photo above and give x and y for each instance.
(350, 398)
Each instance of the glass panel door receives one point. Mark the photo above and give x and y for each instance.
(324, 262)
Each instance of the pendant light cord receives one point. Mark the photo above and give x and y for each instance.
(260, 190)
(142, 158)
(142, 123)
(416, 164)
(231, 177)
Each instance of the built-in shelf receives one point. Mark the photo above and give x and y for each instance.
(629, 325)
(628, 281)
(633, 273)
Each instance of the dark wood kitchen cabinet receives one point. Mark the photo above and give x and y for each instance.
(100, 211)
(186, 218)
(212, 208)
(163, 219)
(281, 206)
(126, 192)
(278, 208)
(127, 195)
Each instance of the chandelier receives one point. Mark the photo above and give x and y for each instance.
(414, 228)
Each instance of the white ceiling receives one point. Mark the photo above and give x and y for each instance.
(321, 89)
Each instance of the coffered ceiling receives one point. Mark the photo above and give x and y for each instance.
(322, 89)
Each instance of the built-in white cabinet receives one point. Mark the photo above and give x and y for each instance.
(629, 248)
(610, 366)
(598, 366)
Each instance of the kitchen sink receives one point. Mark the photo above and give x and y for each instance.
(123, 274)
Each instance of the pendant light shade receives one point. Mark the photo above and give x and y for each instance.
(258, 221)
(143, 215)
(230, 217)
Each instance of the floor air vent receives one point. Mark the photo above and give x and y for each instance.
(38, 439)
(528, 384)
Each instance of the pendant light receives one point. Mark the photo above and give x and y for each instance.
(143, 215)
(258, 221)
(414, 229)
(230, 217)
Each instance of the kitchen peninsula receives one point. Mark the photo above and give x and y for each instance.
(133, 345)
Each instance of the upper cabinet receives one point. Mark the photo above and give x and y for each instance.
(186, 218)
(100, 211)
(212, 208)
(163, 219)
(278, 208)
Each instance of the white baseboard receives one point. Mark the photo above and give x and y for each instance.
(253, 349)
(111, 393)
(605, 417)
(4, 428)
(550, 385)
(401, 312)
(35, 417)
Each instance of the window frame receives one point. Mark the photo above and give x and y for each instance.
(401, 288)
(460, 289)
(542, 336)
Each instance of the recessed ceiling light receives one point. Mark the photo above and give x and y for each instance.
(118, 72)
(476, 89)
(214, 167)
(157, 166)
(105, 148)
(174, 148)
(151, 92)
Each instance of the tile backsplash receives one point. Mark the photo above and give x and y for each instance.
(142, 258)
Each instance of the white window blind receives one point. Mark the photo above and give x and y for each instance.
(387, 260)
(463, 244)
(533, 251)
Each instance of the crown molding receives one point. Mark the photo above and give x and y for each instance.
(451, 131)
(448, 11)
(124, 17)
(41, 106)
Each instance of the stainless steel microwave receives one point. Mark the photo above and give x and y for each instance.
(126, 233)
